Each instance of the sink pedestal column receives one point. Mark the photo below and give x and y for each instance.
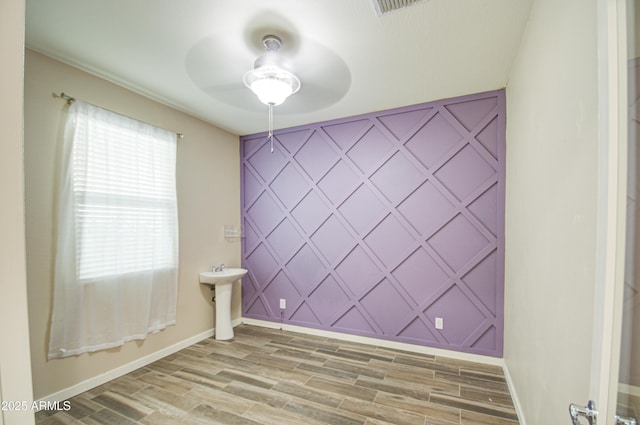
(224, 330)
(222, 281)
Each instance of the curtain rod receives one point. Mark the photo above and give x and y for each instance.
(71, 99)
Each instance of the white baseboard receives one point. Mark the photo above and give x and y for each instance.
(629, 389)
(514, 395)
(378, 342)
(96, 381)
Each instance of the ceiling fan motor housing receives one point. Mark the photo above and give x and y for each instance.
(272, 44)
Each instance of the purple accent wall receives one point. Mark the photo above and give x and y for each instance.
(377, 224)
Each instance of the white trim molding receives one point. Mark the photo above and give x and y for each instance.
(98, 380)
(629, 389)
(514, 395)
(377, 342)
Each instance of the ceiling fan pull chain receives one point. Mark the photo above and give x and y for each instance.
(271, 125)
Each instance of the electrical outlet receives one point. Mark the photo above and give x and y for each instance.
(439, 323)
(283, 303)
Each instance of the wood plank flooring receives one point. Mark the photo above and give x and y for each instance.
(267, 376)
(628, 405)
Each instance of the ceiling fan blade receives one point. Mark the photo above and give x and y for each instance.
(217, 66)
(313, 97)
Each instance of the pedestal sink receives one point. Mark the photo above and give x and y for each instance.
(222, 283)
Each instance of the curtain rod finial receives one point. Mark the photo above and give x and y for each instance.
(64, 96)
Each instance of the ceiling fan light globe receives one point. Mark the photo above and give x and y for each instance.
(271, 91)
(271, 84)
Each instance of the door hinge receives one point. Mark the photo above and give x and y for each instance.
(588, 412)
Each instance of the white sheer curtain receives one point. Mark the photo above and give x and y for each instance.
(117, 236)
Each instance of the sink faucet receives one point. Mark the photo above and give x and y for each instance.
(218, 268)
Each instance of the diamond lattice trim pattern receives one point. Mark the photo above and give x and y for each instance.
(377, 225)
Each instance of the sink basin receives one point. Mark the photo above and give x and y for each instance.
(225, 276)
(222, 283)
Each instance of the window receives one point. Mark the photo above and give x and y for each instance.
(117, 251)
(125, 199)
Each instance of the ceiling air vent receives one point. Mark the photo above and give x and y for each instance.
(384, 6)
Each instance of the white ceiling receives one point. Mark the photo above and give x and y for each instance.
(192, 54)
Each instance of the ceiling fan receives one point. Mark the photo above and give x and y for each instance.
(218, 63)
(269, 80)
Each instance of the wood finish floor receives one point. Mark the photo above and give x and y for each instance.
(628, 406)
(267, 376)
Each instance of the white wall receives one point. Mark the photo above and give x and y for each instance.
(15, 368)
(551, 203)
